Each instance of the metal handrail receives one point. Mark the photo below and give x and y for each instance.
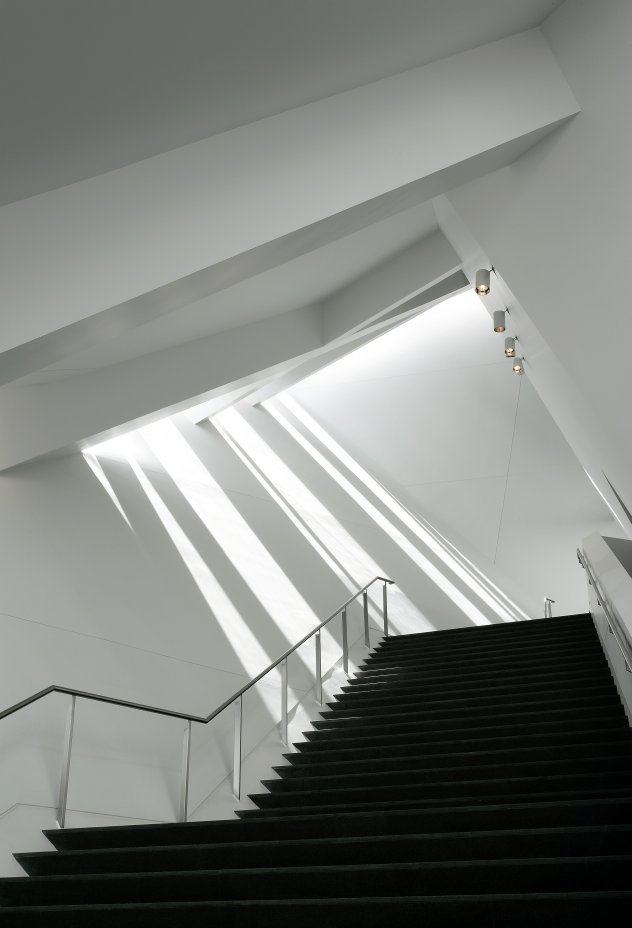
(236, 698)
(614, 625)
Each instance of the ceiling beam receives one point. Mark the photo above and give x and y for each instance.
(82, 263)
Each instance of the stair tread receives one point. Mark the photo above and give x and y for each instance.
(409, 804)
(625, 744)
(292, 902)
(561, 694)
(463, 766)
(321, 868)
(568, 831)
(614, 720)
(462, 782)
(559, 645)
(622, 758)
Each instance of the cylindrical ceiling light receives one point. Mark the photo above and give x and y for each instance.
(499, 320)
(482, 284)
(510, 347)
(518, 367)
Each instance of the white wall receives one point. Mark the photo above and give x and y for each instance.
(558, 225)
(434, 408)
(169, 568)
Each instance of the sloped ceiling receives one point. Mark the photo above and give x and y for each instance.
(90, 85)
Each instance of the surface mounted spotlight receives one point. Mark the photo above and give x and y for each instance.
(482, 282)
(499, 320)
(510, 347)
(518, 367)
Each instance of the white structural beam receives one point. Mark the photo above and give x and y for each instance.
(265, 356)
(393, 282)
(420, 275)
(383, 322)
(92, 258)
(44, 418)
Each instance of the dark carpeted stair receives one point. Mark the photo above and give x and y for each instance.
(480, 774)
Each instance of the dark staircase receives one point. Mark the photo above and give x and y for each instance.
(478, 776)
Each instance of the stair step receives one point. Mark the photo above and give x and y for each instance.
(521, 694)
(558, 645)
(457, 637)
(429, 772)
(421, 714)
(509, 816)
(513, 910)
(588, 655)
(429, 805)
(516, 689)
(472, 674)
(458, 845)
(497, 723)
(563, 753)
(394, 681)
(560, 874)
(511, 684)
(546, 793)
(544, 663)
(483, 744)
(533, 626)
(419, 788)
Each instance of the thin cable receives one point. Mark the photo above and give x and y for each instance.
(513, 436)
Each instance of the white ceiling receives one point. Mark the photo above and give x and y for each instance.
(301, 282)
(470, 444)
(91, 85)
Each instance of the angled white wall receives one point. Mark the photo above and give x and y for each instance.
(557, 225)
(434, 408)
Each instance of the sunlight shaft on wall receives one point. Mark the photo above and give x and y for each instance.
(337, 548)
(258, 569)
(432, 572)
(461, 566)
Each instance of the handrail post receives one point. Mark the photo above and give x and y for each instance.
(237, 748)
(365, 610)
(65, 767)
(385, 607)
(184, 782)
(284, 701)
(345, 642)
(319, 672)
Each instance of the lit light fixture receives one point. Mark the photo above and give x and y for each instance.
(499, 320)
(482, 284)
(518, 366)
(510, 347)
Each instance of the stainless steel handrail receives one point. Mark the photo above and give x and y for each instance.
(236, 698)
(614, 625)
